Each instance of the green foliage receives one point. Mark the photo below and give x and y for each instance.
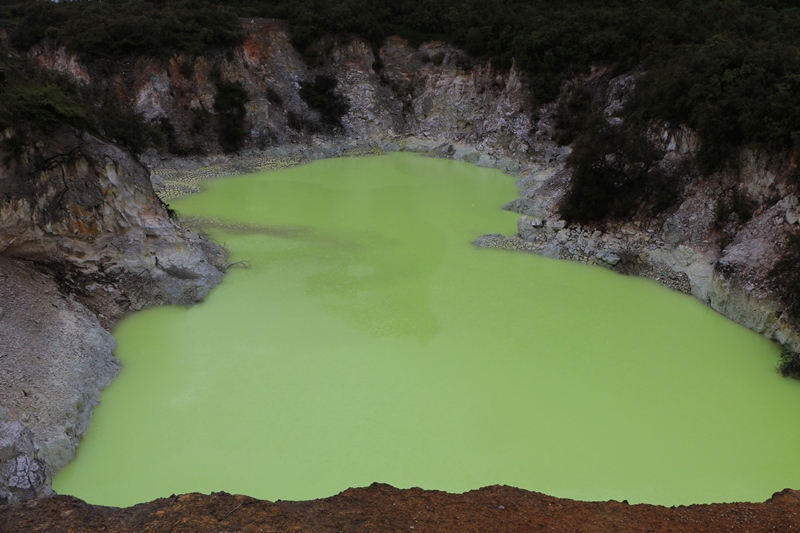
(298, 123)
(130, 129)
(573, 112)
(46, 105)
(111, 29)
(614, 173)
(785, 277)
(229, 104)
(739, 208)
(733, 91)
(321, 95)
(729, 69)
(789, 364)
(40, 99)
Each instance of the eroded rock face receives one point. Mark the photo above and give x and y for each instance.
(83, 239)
(23, 475)
(86, 210)
(57, 358)
(432, 92)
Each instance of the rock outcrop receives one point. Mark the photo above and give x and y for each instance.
(23, 475)
(86, 209)
(83, 239)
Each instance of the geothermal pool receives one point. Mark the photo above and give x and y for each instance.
(370, 341)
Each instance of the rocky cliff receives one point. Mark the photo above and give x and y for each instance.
(83, 240)
(82, 215)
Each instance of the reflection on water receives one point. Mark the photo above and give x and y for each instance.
(369, 341)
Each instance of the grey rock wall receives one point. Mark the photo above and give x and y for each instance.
(83, 239)
(23, 475)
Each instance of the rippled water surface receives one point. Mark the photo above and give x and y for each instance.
(369, 341)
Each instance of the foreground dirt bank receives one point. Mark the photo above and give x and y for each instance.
(385, 508)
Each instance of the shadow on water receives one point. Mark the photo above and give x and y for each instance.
(238, 228)
(370, 281)
(382, 293)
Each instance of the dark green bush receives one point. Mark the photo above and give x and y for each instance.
(615, 173)
(298, 123)
(573, 112)
(47, 104)
(40, 99)
(729, 69)
(785, 277)
(229, 105)
(321, 96)
(789, 364)
(108, 30)
(739, 208)
(130, 129)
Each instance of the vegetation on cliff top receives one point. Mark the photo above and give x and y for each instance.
(229, 103)
(101, 32)
(111, 29)
(38, 99)
(729, 69)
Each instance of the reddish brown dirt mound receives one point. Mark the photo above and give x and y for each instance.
(384, 508)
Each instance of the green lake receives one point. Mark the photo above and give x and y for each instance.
(370, 341)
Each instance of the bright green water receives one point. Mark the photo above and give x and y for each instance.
(369, 341)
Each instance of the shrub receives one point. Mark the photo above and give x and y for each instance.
(784, 277)
(739, 209)
(131, 130)
(112, 29)
(789, 364)
(573, 111)
(39, 99)
(321, 96)
(229, 104)
(614, 173)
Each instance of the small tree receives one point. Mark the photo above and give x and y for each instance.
(231, 113)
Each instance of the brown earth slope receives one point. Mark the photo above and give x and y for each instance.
(385, 508)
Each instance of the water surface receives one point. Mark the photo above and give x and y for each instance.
(369, 341)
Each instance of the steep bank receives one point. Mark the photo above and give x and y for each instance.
(83, 240)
